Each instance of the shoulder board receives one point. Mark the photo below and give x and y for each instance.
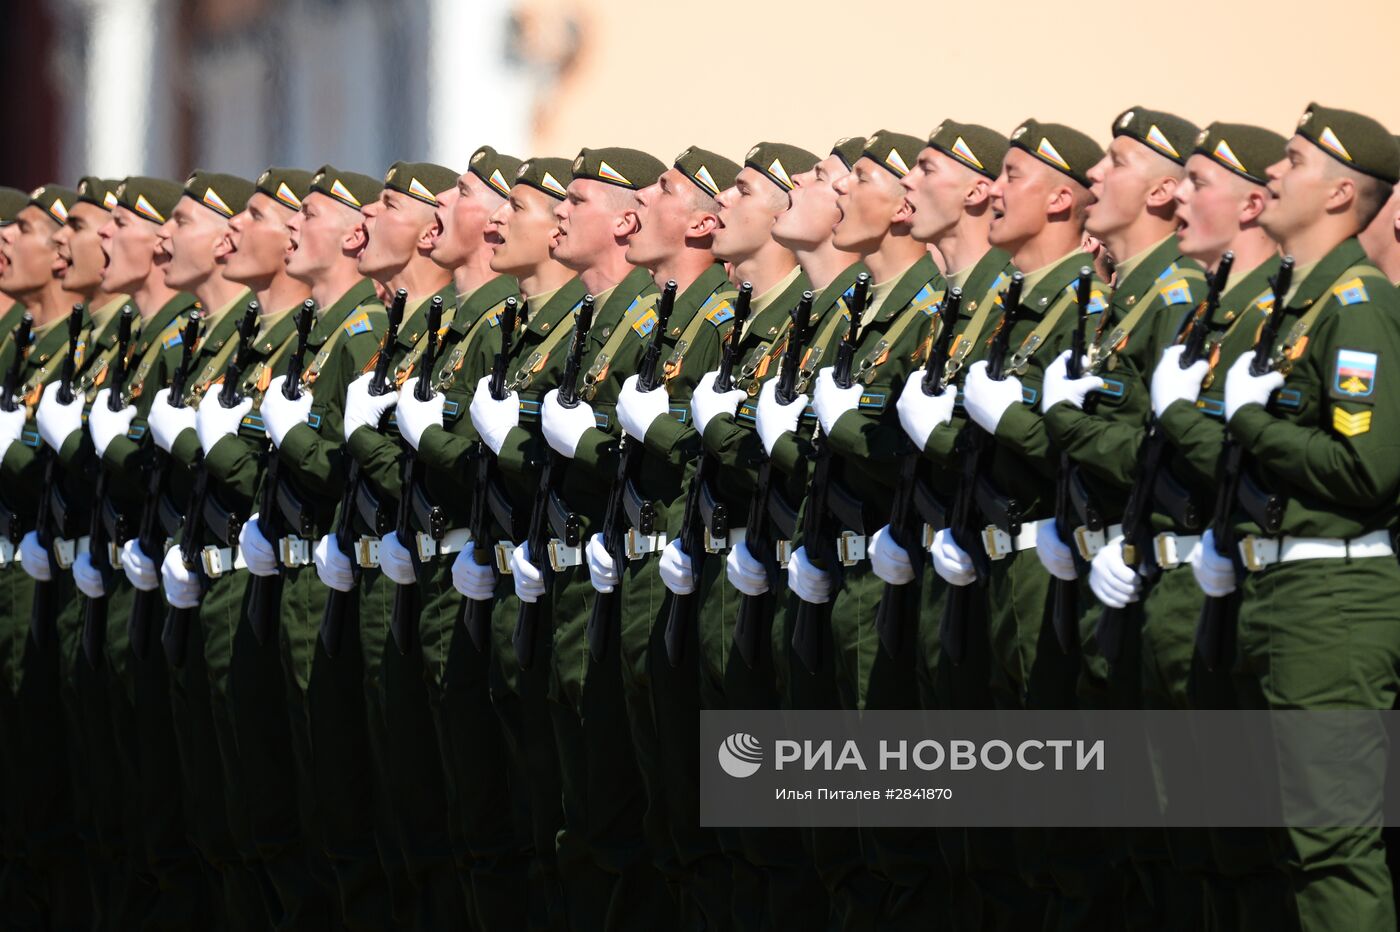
(1178, 292)
(360, 323)
(1168, 272)
(645, 324)
(172, 336)
(1096, 299)
(1352, 291)
(723, 312)
(1265, 301)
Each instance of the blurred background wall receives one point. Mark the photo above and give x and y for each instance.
(117, 87)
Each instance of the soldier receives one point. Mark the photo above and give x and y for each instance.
(139, 691)
(1381, 239)
(521, 233)
(398, 232)
(12, 201)
(675, 242)
(1317, 502)
(56, 877)
(1218, 206)
(325, 694)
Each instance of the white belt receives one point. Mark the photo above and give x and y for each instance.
(453, 541)
(294, 551)
(1261, 552)
(721, 544)
(367, 552)
(850, 548)
(639, 545)
(1089, 543)
(562, 556)
(220, 560)
(65, 550)
(1173, 550)
(1001, 545)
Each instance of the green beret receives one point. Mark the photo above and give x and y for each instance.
(350, 188)
(894, 152)
(1356, 141)
(494, 168)
(422, 181)
(848, 149)
(1062, 148)
(286, 185)
(1163, 133)
(152, 198)
(552, 176)
(708, 171)
(54, 200)
(225, 195)
(1245, 150)
(12, 201)
(979, 148)
(778, 162)
(626, 168)
(99, 192)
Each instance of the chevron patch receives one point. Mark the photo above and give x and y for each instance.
(1047, 151)
(420, 190)
(963, 151)
(707, 181)
(498, 181)
(1329, 141)
(287, 196)
(777, 171)
(553, 184)
(1351, 425)
(1227, 155)
(1159, 140)
(342, 192)
(211, 199)
(146, 209)
(611, 174)
(896, 161)
(109, 200)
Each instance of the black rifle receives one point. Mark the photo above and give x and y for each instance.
(339, 604)
(265, 591)
(551, 482)
(906, 523)
(976, 451)
(629, 463)
(1137, 511)
(1216, 625)
(403, 619)
(1064, 593)
(95, 610)
(151, 531)
(817, 528)
(476, 616)
(23, 335)
(43, 609)
(680, 618)
(177, 622)
(759, 538)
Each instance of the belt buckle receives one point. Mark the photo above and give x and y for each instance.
(1089, 542)
(929, 534)
(996, 542)
(639, 545)
(562, 556)
(782, 550)
(715, 544)
(8, 553)
(1166, 551)
(367, 551)
(503, 550)
(64, 552)
(1258, 553)
(850, 548)
(212, 559)
(294, 551)
(114, 555)
(427, 546)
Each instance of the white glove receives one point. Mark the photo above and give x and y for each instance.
(1214, 574)
(416, 416)
(921, 414)
(395, 560)
(831, 401)
(258, 552)
(1060, 387)
(106, 425)
(775, 419)
(477, 583)
(602, 568)
(1113, 581)
(564, 427)
(168, 422)
(56, 419)
(34, 558)
(181, 583)
(637, 409)
(214, 422)
(676, 569)
(140, 569)
(529, 582)
(11, 427)
(987, 400)
(363, 409)
(806, 581)
(280, 413)
(951, 562)
(1171, 383)
(1055, 555)
(493, 419)
(88, 578)
(706, 404)
(1244, 388)
(889, 560)
(332, 566)
(745, 573)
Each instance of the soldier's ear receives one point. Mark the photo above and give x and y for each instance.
(1162, 194)
(1253, 206)
(979, 193)
(354, 239)
(625, 224)
(1343, 194)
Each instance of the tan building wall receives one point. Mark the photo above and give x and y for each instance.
(726, 73)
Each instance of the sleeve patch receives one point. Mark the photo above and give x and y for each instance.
(360, 323)
(722, 313)
(171, 338)
(1356, 374)
(1351, 425)
(1178, 292)
(1351, 292)
(644, 325)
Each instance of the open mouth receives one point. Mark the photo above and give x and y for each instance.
(494, 238)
